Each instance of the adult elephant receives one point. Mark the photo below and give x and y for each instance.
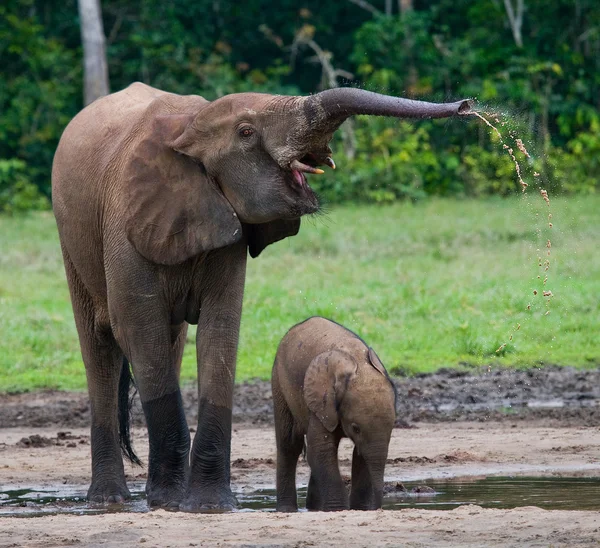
(158, 197)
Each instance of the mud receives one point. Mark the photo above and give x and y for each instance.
(479, 458)
(555, 395)
(522, 483)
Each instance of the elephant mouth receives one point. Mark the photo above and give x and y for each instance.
(308, 164)
(307, 201)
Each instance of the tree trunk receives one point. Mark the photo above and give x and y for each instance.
(405, 6)
(388, 8)
(95, 71)
(515, 18)
(366, 6)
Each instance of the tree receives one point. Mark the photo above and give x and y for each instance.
(95, 73)
(515, 18)
(329, 78)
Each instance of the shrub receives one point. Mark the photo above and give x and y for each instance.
(17, 192)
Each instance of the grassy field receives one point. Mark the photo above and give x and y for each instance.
(441, 283)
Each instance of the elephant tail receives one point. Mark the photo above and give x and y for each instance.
(125, 404)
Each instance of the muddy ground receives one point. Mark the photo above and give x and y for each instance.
(541, 422)
(558, 395)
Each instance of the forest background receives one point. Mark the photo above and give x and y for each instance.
(536, 61)
(428, 250)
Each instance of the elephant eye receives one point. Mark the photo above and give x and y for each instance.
(246, 132)
(355, 429)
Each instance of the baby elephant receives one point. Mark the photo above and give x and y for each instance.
(328, 384)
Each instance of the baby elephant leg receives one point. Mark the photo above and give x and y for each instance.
(289, 447)
(326, 488)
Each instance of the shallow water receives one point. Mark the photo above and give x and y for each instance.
(549, 493)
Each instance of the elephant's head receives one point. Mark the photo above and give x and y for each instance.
(356, 394)
(255, 150)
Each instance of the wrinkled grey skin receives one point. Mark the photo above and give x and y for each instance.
(158, 199)
(328, 385)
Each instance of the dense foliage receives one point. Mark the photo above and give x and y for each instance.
(544, 76)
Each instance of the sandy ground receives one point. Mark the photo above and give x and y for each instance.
(441, 450)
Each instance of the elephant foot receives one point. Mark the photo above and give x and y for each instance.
(287, 508)
(363, 507)
(213, 501)
(108, 492)
(168, 497)
(327, 508)
(334, 508)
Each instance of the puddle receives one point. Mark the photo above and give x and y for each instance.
(29, 503)
(549, 493)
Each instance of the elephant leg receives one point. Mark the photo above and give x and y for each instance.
(156, 372)
(289, 447)
(313, 498)
(322, 454)
(222, 289)
(178, 336)
(103, 361)
(158, 386)
(141, 323)
(361, 493)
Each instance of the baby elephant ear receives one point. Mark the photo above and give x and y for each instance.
(174, 211)
(325, 384)
(376, 362)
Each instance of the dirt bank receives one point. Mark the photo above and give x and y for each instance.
(557, 395)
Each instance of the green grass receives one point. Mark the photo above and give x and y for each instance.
(441, 283)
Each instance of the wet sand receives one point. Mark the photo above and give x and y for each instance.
(442, 450)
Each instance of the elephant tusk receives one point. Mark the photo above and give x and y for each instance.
(329, 161)
(297, 165)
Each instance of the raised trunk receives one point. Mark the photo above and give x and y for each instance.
(333, 106)
(346, 102)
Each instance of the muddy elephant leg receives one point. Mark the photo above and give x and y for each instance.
(222, 290)
(108, 475)
(141, 323)
(169, 450)
(289, 447)
(103, 362)
(313, 497)
(157, 380)
(322, 453)
(361, 493)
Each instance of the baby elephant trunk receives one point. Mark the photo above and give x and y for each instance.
(368, 479)
(377, 471)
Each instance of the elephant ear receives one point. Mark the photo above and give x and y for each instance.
(325, 384)
(262, 235)
(174, 210)
(376, 362)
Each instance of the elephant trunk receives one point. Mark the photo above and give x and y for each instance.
(333, 106)
(376, 471)
(367, 477)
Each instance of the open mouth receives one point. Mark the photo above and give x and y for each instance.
(309, 164)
